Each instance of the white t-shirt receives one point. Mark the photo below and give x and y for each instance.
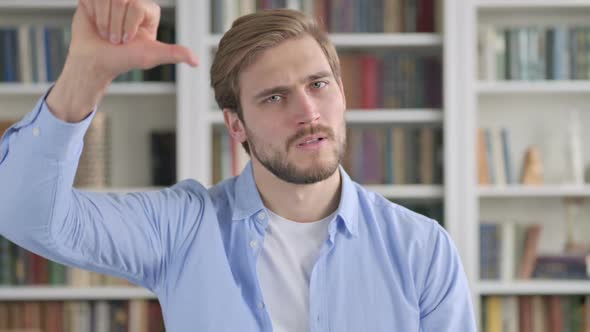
(284, 267)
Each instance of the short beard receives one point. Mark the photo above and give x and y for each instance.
(278, 165)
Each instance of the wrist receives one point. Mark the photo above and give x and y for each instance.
(77, 91)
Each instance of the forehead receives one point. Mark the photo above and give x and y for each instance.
(284, 64)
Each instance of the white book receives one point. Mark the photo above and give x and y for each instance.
(102, 317)
(247, 7)
(499, 165)
(539, 314)
(510, 315)
(138, 316)
(294, 4)
(508, 251)
(41, 58)
(575, 147)
(24, 49)
(230, 13)
(85, 317)
(487, 57)
(308, 8)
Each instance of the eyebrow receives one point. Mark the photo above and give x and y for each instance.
(284, 89)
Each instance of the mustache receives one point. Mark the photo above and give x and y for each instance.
(316, 129)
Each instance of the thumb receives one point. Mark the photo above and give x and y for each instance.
(162, 53)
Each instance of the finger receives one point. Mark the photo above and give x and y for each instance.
(133, 18)
(102, 10)
(162, 53)
(88, 9)
(151, 19)
(118, 9)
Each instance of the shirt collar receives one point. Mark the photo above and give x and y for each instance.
(248, 201)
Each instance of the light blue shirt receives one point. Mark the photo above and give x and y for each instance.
(382, 267)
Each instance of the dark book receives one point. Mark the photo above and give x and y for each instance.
(564, 266)
(163, 157)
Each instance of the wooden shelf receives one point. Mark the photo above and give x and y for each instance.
(373, 40)
(40, 293)
(534, 287)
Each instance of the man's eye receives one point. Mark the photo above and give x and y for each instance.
(273, 99)
(318, 85)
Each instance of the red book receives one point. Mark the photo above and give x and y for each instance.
(529, 257)
(555, 313)
(426, 15)
(525, 311)
(321, 12)
(369, 81)
(39, 269)
(53, 318)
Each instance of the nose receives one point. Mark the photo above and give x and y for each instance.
(306, 109)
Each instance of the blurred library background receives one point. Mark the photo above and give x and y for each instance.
(470, 112)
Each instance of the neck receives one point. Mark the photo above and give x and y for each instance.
(298, 202)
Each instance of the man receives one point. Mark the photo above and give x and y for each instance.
(292, 244)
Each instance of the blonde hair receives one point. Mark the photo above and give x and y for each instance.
(249, 36)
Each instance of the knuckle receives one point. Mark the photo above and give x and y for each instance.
(119, 3)
(134, 5)
(156, 9)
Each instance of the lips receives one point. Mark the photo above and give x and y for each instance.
(311, 139)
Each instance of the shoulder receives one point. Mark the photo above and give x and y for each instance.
(395, 217)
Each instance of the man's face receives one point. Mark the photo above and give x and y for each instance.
(293, 110)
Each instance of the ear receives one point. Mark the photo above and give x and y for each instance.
(234, 125)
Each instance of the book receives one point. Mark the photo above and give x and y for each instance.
(532, 169)
(529, 257)
(163, 157)
(93, 167)
(563, 266)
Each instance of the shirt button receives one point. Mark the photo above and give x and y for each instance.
(36, 131)
(260, 305)
(261, 216)
(253, 244)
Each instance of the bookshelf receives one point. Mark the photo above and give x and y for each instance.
(535, 107)
(34, 305)
(185, 106)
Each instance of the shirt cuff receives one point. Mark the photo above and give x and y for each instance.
(51, 136)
